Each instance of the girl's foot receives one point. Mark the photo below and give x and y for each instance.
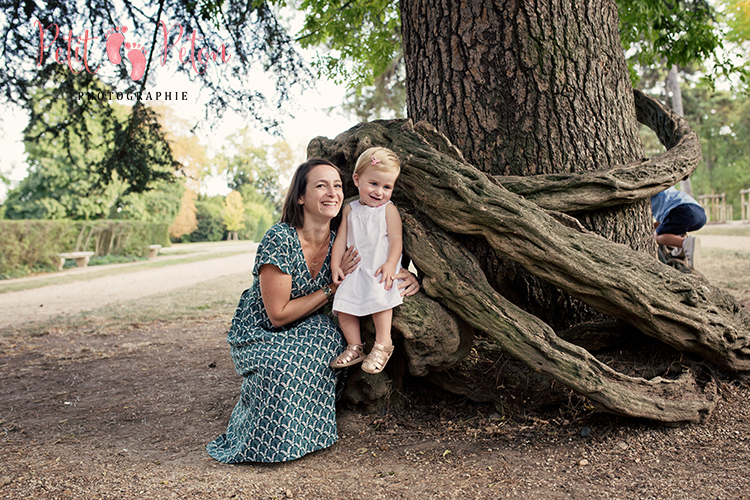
(353, 354)
(377, 359)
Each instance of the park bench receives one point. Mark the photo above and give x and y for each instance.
(153, 251)
(81, 258)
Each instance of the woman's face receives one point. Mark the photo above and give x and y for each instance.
(324, 194)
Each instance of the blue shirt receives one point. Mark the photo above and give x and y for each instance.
(662, 203)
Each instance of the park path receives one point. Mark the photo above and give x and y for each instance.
(46, 302)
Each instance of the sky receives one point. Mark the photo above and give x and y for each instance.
(310, 109)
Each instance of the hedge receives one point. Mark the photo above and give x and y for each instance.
(27, 245)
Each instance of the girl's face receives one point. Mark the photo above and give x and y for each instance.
(375, 186)
(324, 193)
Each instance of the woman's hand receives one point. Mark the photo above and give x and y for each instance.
(409, 285)
(350, 261)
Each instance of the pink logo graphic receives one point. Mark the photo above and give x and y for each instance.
(78, 50)
(134, 52)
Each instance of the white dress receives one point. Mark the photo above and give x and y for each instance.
(361, 293)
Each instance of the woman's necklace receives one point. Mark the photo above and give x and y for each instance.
(315, 256)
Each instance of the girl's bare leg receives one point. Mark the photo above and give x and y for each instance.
(353, 353)
(350, 326)
(382, 322)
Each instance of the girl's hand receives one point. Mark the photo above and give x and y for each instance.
(409, 285)
(350, 261)
(387, 272)
(337, 275)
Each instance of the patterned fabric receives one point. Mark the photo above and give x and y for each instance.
(287, 404)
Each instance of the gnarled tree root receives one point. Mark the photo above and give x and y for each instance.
(681, 310)
(456, 280)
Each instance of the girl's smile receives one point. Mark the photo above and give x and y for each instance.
(375, 186)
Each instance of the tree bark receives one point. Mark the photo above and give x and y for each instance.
(526, 88)
(522, 87)
(637, 180)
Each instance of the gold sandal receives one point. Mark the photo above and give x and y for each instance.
(377, 358)
(346, 359)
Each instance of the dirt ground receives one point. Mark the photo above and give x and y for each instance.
(124, 410)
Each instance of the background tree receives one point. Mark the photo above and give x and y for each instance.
(63, 181)
(210, 220)
(721, 120)
(161, 203)
(234, 214)
(187, 148)
(251, 33)
(243, 163)
(190, 152)
(256, 173)
(186, 220)
(259, 215)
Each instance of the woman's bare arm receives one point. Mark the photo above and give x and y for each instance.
(276, 290)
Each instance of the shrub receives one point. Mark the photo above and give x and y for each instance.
(28, 245)
(210, 222)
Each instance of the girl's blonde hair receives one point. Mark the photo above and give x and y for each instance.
(378, 158)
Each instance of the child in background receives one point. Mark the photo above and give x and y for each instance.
(676, 213)
(372, 225)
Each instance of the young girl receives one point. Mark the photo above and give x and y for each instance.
(373, 226)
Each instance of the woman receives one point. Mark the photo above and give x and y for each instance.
(280, 341)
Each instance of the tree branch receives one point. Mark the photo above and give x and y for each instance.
(644, 178)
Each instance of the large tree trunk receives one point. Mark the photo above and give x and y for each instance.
(522, 87)
(528, 87)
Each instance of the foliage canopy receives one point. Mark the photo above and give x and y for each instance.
(250, 34)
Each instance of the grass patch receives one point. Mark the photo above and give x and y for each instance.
(728, 269)
(213, 300)
(59, 278)
(115, 259)
(104, 260)
(24, 271)
(724, 230)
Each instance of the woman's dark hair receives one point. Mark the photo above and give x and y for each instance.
(293, 213)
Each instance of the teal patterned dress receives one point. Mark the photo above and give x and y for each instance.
(287, 404)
